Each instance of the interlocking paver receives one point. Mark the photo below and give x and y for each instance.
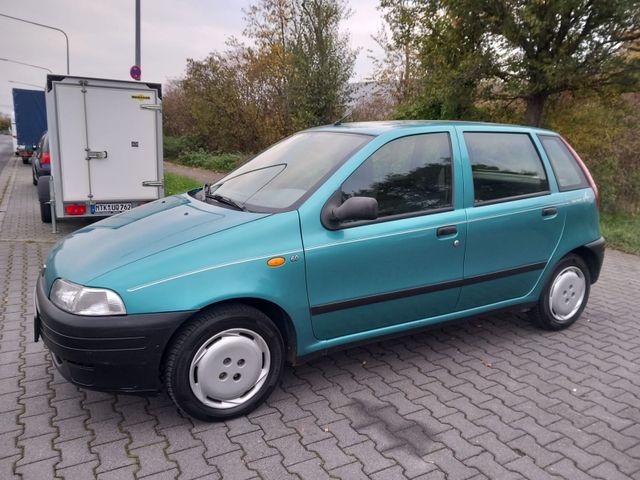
(492, 397)
(292, 449)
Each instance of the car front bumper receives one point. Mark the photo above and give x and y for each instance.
(110, 353)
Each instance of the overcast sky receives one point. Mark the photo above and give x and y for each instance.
(101, 37)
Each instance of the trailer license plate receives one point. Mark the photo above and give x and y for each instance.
(110, 207)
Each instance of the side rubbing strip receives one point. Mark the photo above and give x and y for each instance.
(409, 292)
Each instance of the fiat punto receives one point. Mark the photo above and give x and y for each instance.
(336, 235)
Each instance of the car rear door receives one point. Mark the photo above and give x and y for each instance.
(514, 222)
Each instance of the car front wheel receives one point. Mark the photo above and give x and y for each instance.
(565, 295)
(224, 362)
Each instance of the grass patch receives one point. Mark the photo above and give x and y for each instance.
(178, 184)
(622, 231)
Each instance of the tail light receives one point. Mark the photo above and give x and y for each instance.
(586, 172)
(75, 209)
(45, 158)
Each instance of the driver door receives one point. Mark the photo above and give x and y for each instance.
(404, 266)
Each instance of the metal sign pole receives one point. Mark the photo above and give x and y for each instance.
(138, 34)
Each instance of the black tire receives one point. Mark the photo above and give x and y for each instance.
(44, 197)
(195, 335)
(25, 160)
(543, 313)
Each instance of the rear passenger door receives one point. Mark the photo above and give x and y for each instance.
(514, 225)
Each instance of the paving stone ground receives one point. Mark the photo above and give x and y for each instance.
(492, 397)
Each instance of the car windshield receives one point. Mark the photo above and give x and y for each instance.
(282, 175)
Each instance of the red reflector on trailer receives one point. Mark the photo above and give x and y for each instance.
(75, 209)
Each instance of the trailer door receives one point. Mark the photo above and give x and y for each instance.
(123, 143)
(70, 122)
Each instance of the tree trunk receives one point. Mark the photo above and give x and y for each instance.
(535, 109)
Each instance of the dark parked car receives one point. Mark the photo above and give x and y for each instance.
(41, 159)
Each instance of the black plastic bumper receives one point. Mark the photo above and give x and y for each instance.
(115, 353)
(597, 253)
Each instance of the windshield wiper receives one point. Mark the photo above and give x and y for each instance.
(226, 200)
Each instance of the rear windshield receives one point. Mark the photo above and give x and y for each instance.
(284, 174)
(568, 173)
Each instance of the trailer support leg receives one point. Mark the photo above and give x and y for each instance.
(52, 205)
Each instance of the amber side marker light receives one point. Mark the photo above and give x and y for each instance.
(276, 261)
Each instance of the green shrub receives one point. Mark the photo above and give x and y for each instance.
(219, 162)
(174, 146)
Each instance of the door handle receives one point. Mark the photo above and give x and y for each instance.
(547, 212)
(91, 155)
(446, 230)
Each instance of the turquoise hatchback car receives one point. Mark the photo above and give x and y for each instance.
(336, 235)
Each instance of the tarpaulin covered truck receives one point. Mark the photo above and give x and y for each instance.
(31, 120)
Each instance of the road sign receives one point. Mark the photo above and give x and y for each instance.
(135, 72)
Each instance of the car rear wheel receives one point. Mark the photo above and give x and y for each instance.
(44, 197)
(565, 295)
(224, 362)
(25, 160)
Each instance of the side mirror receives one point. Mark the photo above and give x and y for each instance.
(356, 208)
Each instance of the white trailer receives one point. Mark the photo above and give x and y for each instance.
(105, 140)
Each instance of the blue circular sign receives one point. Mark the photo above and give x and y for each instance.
(135, 72)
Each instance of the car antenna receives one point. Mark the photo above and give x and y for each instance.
(339, 122)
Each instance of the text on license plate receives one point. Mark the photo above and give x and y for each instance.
(110, 207)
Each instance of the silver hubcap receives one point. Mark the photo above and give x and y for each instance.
(229, 368)
(567, 293)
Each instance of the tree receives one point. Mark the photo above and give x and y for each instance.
(306, 60)
(518, 49)
(561, 46)
(293, 72)
(398, 72)
(5, 122)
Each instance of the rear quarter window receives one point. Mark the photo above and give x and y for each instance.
(568, 173)
(504, 165)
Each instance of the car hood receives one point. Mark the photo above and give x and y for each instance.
(121, 239)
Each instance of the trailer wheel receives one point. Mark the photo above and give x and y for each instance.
(25, 160)
(43, 197)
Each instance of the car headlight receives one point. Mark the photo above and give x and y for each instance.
(80, 300)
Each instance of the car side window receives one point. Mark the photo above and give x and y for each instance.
(504, 165)
(568, 173)
(410, 174)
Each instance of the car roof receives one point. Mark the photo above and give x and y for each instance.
(380, 127)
